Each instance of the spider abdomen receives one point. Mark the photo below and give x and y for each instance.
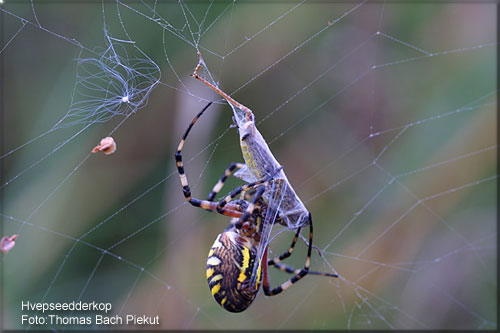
(230, 265)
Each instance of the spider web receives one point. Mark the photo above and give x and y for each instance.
(382, 114)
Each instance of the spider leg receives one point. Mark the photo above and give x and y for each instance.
(251, 206)
(292, 270)
(276, 262)
(243, 188)
(261, 186)
(229, 210)
(286, 254)
(298, 274)
(217, 187)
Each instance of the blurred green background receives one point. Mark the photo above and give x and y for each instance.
(389, 139)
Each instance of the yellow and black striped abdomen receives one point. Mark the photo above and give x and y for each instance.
(229, 268)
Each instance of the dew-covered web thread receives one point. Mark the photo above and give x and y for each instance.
(382, 115)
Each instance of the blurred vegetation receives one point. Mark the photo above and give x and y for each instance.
(117, 229)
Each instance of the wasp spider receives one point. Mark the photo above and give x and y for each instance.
(231, 260)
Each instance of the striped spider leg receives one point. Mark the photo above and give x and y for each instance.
(298, 273)
(217, 187)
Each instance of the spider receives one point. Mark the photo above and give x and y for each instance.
(232, 274)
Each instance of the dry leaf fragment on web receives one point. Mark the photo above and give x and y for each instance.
(107, 146)
(7, 243)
